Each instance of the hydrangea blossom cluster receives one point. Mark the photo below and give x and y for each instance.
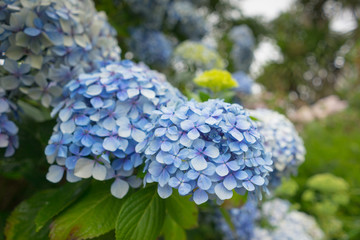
(282, 141)
(150, 46)
(243, 220)
(242, 49)
(283, 223)
(206, 150)
(152, 11)
(286, 224)
(198, 56)
(245, 82)
(47, 43)
(184, 17)
(8, 129)
(101, 122)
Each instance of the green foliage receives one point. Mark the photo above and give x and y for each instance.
(60, 200)
(172, 230)
(141, 216)
(183, 211)
(93, 215)
(20, 224)
(333, 146)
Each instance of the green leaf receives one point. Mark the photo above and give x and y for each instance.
(203, 96)
(182, 210)
(227, 218)
(93, 215)
(141, 216)
(62, 198)
(20, 225)
(172, 230)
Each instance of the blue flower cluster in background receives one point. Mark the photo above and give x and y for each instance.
(185, 17)
(152, 12)
(245, 83)
(8, 129)
(243, 220)
(243, 46)
(282, 141)
(205, 149)
(101, 122)
(45, 44)
(150, 46)
(272, 220)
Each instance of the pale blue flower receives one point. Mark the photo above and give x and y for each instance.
(282, 141)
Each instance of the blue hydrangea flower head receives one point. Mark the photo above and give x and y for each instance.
(286, 223)
(243, 46)
(282, 222)
(45, 44)
(282, 141)
(206, 150)
(150, 46)
(101, 123)
(242, 218)
(152, 11)
(8, 130)
(184, 17)
(245, 82)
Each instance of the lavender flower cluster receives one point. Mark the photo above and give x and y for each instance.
(205, 149)
(282, 141)
(45, 44)
(8, 129)
(101, 122)
(116, 118)
(242, 49)
(278, 222)
(150, 46)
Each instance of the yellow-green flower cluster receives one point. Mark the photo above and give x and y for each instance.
(216, 80)
(198, 55)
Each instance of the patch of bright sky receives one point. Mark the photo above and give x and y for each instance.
(267, 51)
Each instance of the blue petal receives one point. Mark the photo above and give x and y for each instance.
(187, 125)
(236, 134)
(33, 32)
(212, 151)
(258, 180)
(55, 173)
(204, 182)
(222, 192)
(111, 144)
(164, 192)
(138, 135)
(193, 134)
(174, 182)
(119, 188)
(199, 163)
(68, 127)
(200, 196)
(230, 182)
(241, 175)
(184, 189)
(222, 170)
(94, 90)
(164, 178)
(248, 185)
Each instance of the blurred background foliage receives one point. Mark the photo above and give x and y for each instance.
(315, 62)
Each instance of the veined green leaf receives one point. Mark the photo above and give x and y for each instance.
(93, 215)
(20, 225)
(172, 230)
(182, 210)
(141, 216)
(61, 199)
